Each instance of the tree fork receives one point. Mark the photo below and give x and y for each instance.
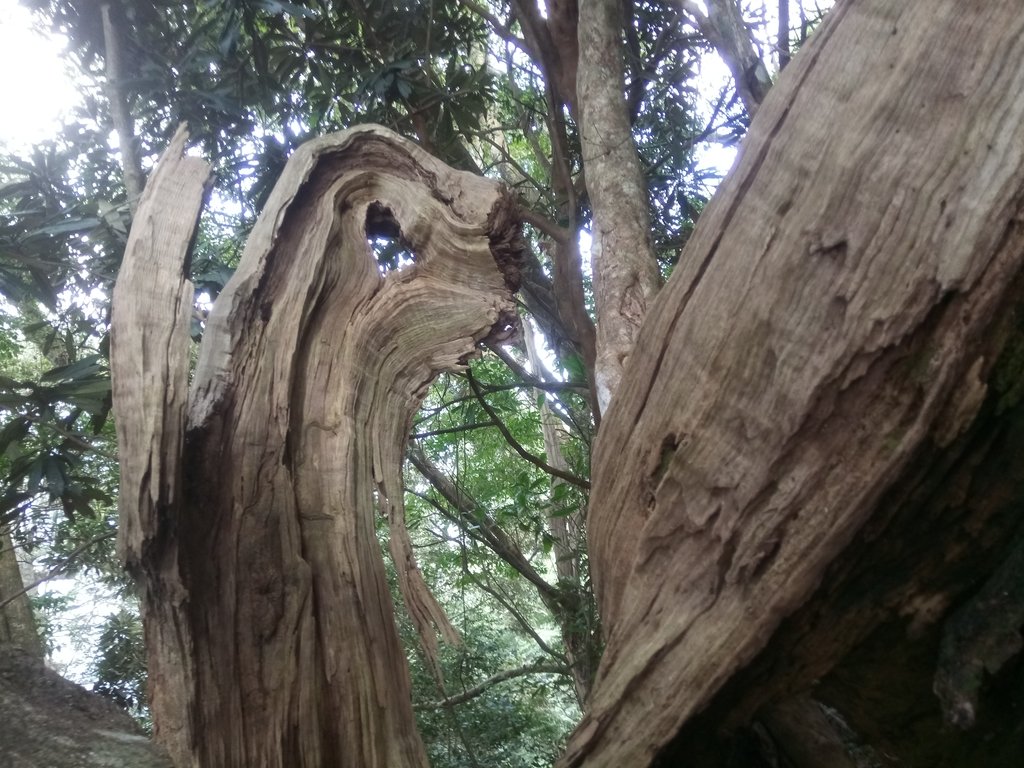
(248, 499)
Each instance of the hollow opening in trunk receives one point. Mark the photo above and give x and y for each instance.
(390, 249)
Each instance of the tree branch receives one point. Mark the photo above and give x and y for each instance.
(58, 570)
(545, 225)
(452, 430)
(723, 28)
(569, 477)
(501, 28)
(131, 162)
(490, 682)
(483, 526)
(518, 616)
(782, 41)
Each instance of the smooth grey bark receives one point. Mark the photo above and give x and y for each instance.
(124, 126)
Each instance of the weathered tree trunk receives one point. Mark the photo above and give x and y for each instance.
(248, 511)
(810, 444)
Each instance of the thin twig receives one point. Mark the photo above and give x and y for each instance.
(477, 522)
(501, 29)
(508, 674)
(507, 605)
(569, 477)
(54, 572)
(452, 430)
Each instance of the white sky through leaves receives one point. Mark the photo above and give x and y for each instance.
(35, 88)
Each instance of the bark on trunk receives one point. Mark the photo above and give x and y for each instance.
(17, 624)
(835, 359)
(128, 145)
(625, 270)
(250, 519)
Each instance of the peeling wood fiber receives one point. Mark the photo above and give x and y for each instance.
(251, 517)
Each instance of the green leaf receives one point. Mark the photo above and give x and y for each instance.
(562, 512)
(292, 9)
(89, 365)
(55, 477)
(64, 227)
(13, 431)
(573, 365)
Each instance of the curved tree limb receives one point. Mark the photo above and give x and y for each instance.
(569, 477)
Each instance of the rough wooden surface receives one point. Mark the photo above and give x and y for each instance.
(840, 309)
(268, 614)
(149, 350)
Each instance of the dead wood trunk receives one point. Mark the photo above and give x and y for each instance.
(248, 509)
(807, 443)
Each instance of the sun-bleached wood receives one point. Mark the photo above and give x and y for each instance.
(837, 316)
(250, 518)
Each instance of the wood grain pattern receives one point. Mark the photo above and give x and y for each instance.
(840, 308)
(271, 632)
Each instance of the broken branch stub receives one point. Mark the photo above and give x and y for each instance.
(271, 625)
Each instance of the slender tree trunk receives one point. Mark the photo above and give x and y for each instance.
(248, 503)
(782, 36)
(724, 28)
(809, 444)
(566, 529)
(17, 624)
(124, 126)
(624, 267)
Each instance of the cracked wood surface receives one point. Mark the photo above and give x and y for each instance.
(834, 315)
(269, 619)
